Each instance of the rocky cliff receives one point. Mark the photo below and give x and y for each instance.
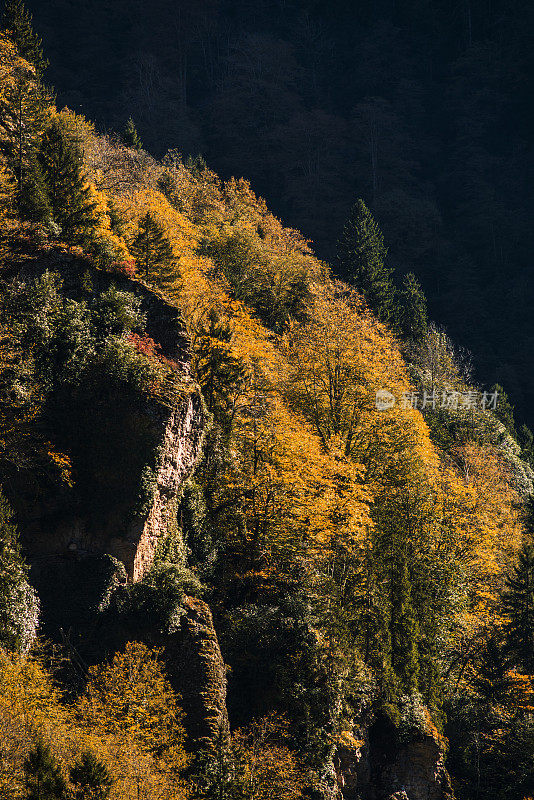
(85, 561)
(60, 528)
(382, 761)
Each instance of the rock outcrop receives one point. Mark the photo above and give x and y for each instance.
(181, 435)
(83, 558)
(417, 772)
(62, 529)
(380, 763)
(197, 669)
(191, 651)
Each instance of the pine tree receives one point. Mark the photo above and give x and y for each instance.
(130, 137)
(19, 606)
(151, 248)
(361, 255)
(412, 314)
(518, 605)
(17, 21)
(44, 780)
(196, 164)
(91, 778)
(61, 161)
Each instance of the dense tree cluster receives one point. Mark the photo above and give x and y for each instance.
(420, 107)
(358, 559)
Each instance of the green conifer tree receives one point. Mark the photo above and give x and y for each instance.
(61, 161)
(361, 258)
(526, 441)
(33, 201)
(404, 629)
(518, 605)
(19, 606)
(504, 409)
(216, 369)
(17, 21)
(130, 137)
(23, 114)
(116, 219)
(44, 780)
(196, 164)
(412, 314)
(91, 778)
(152, 249)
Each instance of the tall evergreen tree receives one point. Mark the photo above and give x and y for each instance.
(91, 778)
(518, 605)
(151, 248)
(504, 409)
(23, 114)
(130, 137)
(17, 21)
(196, 164)
(44, 780)
(361, 256)
(19, 606)
(33, 201)
(404, 629)
(217, 370)
(61, 161)
(526, 441)
(412, 314)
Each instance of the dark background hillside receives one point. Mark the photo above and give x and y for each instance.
(422, 107)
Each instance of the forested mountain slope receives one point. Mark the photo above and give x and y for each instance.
(196, 454)
(421, 107)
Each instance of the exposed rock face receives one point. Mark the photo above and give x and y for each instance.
(417, 772)
(197, 669)
(61, 529)
(194, 663)
(384, 766)
(180, 445)
(81, 557)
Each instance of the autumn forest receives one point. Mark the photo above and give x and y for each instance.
(266, 496)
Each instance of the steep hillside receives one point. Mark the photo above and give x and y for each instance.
(281, 543)
(420, 107)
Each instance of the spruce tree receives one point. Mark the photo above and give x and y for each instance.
(19, 606)
(526, 442)
(17, 22)
(196, 164)
(361, 256)
(404, 629)
(61, 161)
(518, 606)
(44, 780)
(33, 201)
(23, 114)
(218, 371)
(504, 410)
(151, 248)
(90, 778)
(412, 314)
(130, 137)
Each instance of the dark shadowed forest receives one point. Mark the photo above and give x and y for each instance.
(421, 107)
